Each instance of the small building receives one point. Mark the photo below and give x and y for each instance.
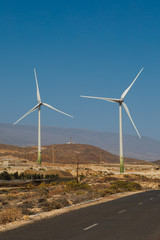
(5, 163)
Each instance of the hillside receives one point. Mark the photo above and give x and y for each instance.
(64, 153)
(157, 162)
(21, 135)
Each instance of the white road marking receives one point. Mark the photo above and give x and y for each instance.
(122, 211)
(140, 203)
(151, 198)
(87, 228)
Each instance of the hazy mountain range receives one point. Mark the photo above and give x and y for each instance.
(21, 135)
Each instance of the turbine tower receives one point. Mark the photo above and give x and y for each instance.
(38, 106)
(121, 103)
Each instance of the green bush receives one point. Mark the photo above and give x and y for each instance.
(51, 176)
(21, 176)
(5, 176)
(15, 175)
(120, 186)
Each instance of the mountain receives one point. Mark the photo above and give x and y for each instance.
(64, 153)
(21, 135)
(157, 162)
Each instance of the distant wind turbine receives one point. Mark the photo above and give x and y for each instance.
(121, 102)
(38, 106)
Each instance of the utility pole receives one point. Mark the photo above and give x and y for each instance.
(100, 158)
(77, 169)
(53, 155)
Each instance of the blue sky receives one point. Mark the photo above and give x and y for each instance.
(91, 47)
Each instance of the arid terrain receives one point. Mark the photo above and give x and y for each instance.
(62, 153)
(70, 174)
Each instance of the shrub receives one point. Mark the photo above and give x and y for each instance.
(21, 176)
(106, 192)
(56, 190)
(41, 200)
(51, 176)
(144, 178)
(82, 177)
(83, 197)
(107, 179)
(26, 207)
(30, 186)
(126, 176)
(42, 169)
(4, 203)
(15, 175)
(120, 186)
(43, 189)
(43, 185)
(55, 204)
(76, 186)
(11, 196)
(5, 175)
(10, 215)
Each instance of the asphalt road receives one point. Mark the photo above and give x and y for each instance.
(136, 217)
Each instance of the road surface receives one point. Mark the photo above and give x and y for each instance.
(136, 217)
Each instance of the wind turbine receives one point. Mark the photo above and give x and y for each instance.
(38, 106)
(121, 103)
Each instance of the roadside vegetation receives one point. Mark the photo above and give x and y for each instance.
(23, 176)
(22, 201)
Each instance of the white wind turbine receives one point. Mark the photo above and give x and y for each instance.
(120, 102)
(38, 106)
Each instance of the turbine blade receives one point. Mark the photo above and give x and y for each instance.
(127, 90)
(127, 111)
(38, 94)
(30, 111)
(102, 98)
(49, 106)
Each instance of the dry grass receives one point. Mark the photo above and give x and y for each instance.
(10, 215)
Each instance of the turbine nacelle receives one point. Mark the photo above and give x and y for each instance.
(121, 101)
(40, 104)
